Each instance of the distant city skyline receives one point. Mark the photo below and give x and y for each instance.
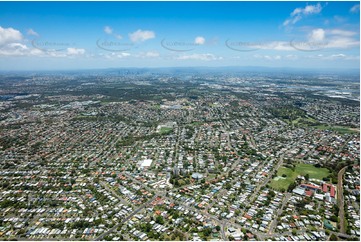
(85, 35)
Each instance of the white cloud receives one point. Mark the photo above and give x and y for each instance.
(199, 40)
(108, 30)
(202, 57)
(317, 35)
(141, 35)
(19, 49)
(312, 9)
(268, 57)
(291, 57)
(123, 54)
(277, 57)
(342, 42)
(338, 55)
(9, 35)
(296, 11)
(115, 55)
(327, 39)
(273, 45)
(75, 51)
(338, 38)
(355, 8)
(152, 54)
(14, 49)
(13, 44)
(334, 57)
(342, 32)
(315, 40)
(32, 32)
(299, 13)
(339, 19)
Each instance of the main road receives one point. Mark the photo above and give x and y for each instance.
(126, 219)
(340, 200)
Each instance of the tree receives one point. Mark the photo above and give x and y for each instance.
(228, 186)
(291, 187)
(333, 237)
(307, 177)
(334, 218)
(159, 220)
(272, 193)
(207, 232)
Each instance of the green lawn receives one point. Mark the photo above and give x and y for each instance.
(314, 172)
(157, 106)
(279, 183)
(301, 169)
(165, 130)
(304, 121)
(197, 123)
(340, 129)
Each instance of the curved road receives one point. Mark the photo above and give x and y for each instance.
(340, 200)
(126, 219)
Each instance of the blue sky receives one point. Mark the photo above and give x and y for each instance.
(83, 35)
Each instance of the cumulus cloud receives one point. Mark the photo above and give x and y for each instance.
(271, 45)
(13, 44)
(291, 57)
(141, 35)
(9, 35)
(334, 57)
(199, 40)
(118, 36)
(298, 13)
(276, 57)
(316, 39)
(19, 49)
(338, 55)
(115, 55)
(75, 51)
(327, 39)
(317, 35)
(338, 38)
(151, 54)
(342, 32)
(202, 57)
(268, 57)
(355, 8)
(32, 32)
(108, 30)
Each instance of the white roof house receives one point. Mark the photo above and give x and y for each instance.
(145, 163)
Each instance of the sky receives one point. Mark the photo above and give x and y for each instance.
(87, 35)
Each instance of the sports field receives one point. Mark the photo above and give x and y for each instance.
(280, 182)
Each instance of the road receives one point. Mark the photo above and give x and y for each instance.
(340, 200)
(266, 181)
(126, 219)
(105, 185)
(279, 212)
(252, 141)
